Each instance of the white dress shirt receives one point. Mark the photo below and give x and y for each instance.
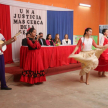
(1, 39)
(64, 42)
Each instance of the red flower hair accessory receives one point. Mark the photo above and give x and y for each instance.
(28, 29)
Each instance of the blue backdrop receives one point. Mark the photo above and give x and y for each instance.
(60, 22)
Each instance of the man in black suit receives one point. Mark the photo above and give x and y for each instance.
(41, 39)
(24, 41)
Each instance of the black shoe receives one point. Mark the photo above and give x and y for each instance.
(6, 88)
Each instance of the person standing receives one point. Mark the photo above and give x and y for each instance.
(87, 56)
(2, 64)
(103, 59)
(33, 71)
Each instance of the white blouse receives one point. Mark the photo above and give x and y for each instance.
(64, 42)
(87, 44)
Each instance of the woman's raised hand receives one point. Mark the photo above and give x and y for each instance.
(38, 37)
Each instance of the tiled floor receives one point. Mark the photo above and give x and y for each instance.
(59, 91)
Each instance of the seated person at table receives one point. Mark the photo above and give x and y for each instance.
(66, 41)
(41, 39)
(49, 40)
(57, 40)
(24, 41)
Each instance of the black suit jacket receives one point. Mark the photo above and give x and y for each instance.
(24, 42)
(44, 42)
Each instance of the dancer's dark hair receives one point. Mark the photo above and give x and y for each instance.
(103, 31)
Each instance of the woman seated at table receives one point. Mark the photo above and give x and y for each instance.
(49, 40)
(57, 40)
(66, 41)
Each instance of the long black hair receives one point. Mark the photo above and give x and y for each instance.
(103, 31)
(27, 33)
(48, 37)
(31, 30)
(86, 30)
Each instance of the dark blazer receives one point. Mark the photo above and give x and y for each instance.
(24, 42)
(44, 42)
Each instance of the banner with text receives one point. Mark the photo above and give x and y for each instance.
(22, 19)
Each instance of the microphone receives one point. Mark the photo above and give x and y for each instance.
(36, 37)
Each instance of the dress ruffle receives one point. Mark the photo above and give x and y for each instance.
(88, 59)
(33, 71)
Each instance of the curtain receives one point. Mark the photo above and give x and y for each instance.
(5, 29)
(60, 22)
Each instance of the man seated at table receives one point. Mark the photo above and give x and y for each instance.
(24, 41)
(41, 39)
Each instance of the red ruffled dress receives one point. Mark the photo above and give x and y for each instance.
(33, 71)
(103, 59)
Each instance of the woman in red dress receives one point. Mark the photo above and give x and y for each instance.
(33, 71)
(103, 60)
